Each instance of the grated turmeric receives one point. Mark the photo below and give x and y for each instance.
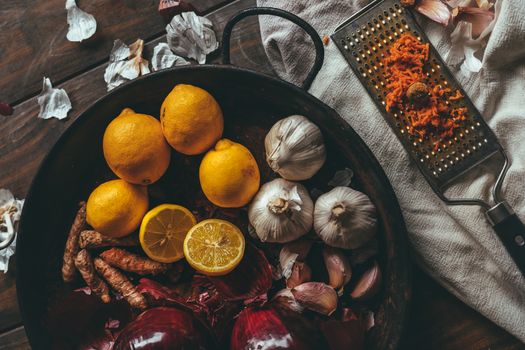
(435, 119)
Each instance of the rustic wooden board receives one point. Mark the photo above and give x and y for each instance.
(33, 39)
(14, 339)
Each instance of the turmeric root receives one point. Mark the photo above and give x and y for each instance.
(120, 284)
(69, 271)
(130, 262)
(84, 264)
(93, 239)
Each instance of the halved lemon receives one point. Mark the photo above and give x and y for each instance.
(214, 247)
(163, 230)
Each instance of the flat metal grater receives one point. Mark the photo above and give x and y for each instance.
(364, 40)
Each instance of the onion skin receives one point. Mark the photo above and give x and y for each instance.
(164, 328)
(273, 327)
(250, 279)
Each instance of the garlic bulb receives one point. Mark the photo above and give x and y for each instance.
(281, 211)
(345, 218)
(295, 148)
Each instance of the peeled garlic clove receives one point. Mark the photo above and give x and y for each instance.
(345, 218)
(300, 273)
(292, 252)
(281, 211)
(286, 299)
(368, 284)
(338, 267)
(317, 297)
(295, 148)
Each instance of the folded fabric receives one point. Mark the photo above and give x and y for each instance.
(455, 245)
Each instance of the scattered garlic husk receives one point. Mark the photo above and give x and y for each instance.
(292, 252)
(316, 296)
(281, 211)
(345, 218)
(295, 148)
(286, 299)
(301, 273)
(82, 25)
(54, 103)
(368, 285)
(480, 18)
(338, 267)
(342, 178)
(10, 211)
(125, 63)
(164, 58)
(436, 10)
(191, 36)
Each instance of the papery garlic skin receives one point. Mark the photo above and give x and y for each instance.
(281, 211)
(82, 25)
(295, 148)
(345, 218)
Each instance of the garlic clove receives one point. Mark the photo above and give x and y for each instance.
(292, 252)
(368, 284)
(295, 148)
(316, 296)
(286, 299)
(436, 10)
(338, 267)
(300, 273)
(345, 218)
(480, 18)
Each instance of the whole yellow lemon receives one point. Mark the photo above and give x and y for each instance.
(229, 175)
(135, 148)
(116, 208)
(191, 119)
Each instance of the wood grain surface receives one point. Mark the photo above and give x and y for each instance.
(33, 44)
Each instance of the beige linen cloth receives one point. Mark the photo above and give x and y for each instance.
(455, 245)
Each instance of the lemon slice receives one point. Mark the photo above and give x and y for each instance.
(214, 247)
(163, 230)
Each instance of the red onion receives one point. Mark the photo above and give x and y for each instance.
(250, 279)
(274, 327)
(170, 8)
(6, 109)
(349, 333)
(164, 328)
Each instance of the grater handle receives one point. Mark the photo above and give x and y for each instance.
(510, 230)
(255, 11)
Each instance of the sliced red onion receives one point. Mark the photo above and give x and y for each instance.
(275, 327)
(165, 328)
(250, 279)
(317, 297)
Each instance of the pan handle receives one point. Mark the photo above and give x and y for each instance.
(255, 11)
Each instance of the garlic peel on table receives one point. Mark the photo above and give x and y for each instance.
(345, 218)
(295, 148)
(53, 102)
(164, 58)
(82, 25)
(281, 211)
(125, 63)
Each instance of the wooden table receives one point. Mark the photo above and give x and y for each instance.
(33, 44)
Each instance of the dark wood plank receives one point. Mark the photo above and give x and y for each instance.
(14, 339)
(33, 39)
(9, 314)
(439, 321)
